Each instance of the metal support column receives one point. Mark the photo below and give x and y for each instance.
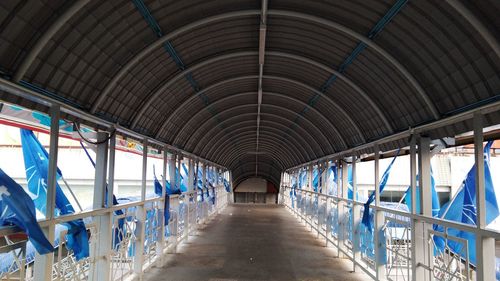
(203, 190)
(161, 211)
(356, 217)
(231, 196)
(187, 199)
(191, 186)
(343, 214)
(195, 198)
(310, 177)
(178, 180)
(380, 256)
(419, 228)
(485, 246)
(100, 268)
(171, 169)
(328, 205)
(324, 178)
(43, 265)
(141, 217)
(172, 176)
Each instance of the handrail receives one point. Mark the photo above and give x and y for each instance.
(9, 230)
(431, 220)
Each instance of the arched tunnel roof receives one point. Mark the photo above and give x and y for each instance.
(257, 86)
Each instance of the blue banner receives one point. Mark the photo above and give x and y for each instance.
(435, 197)
(463, 209)
(17, 208)
(36, 161)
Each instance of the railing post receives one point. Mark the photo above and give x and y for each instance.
(141, 217)
(191, 186)
(172, 239)
(160, 244)
(173, 225)
(380, 250)
(417, 271)
(310, 177)
(171, 170)
(421, 258)
(342, 213)
(178, 179)
(281, 187)
(485, 246)
(356, 219)
(204, 186)
(100, 267)
(328, 226)
(44, 263)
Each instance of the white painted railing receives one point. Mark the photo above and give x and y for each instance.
(187, 214)
(331, 218)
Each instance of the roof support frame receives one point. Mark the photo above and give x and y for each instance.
(300, 138)
(217, 146)
(45, 38)
(271, 135)
(467, 14)
(334, 25)
(160, 89)
(270, 139)
(235, 96)
(309, 123)
(268, 149)
(269, 129)
(273, 77)
(150, 48)
(399, 66)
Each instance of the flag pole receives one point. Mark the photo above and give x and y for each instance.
(72, 193)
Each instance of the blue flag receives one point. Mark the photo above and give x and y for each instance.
(302, 179)
(158, 191)
(168, 192)
(316, 179)
(332, 181)
(36, 161)
(227, 186)
(383, 182)
(463, 209)
(184, 178)
(17, 209)
(200, 184)
(435, 197)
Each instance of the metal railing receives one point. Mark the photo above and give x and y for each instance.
(335, 221)
(187, 214)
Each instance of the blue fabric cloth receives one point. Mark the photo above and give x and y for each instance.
(435, 197)
(36, 161)
(18, 209)
(463, 209)
(383, 182)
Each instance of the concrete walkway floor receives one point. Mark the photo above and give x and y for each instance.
(254, 242)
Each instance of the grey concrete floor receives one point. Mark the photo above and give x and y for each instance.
(250, 243)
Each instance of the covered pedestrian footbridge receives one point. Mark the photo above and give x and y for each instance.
(344, 110)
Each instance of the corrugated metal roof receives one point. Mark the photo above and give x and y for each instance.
(427, 61)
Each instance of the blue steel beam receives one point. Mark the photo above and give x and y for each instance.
(169, 48)
(393, 11)
(148, 17)
(167, 45)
